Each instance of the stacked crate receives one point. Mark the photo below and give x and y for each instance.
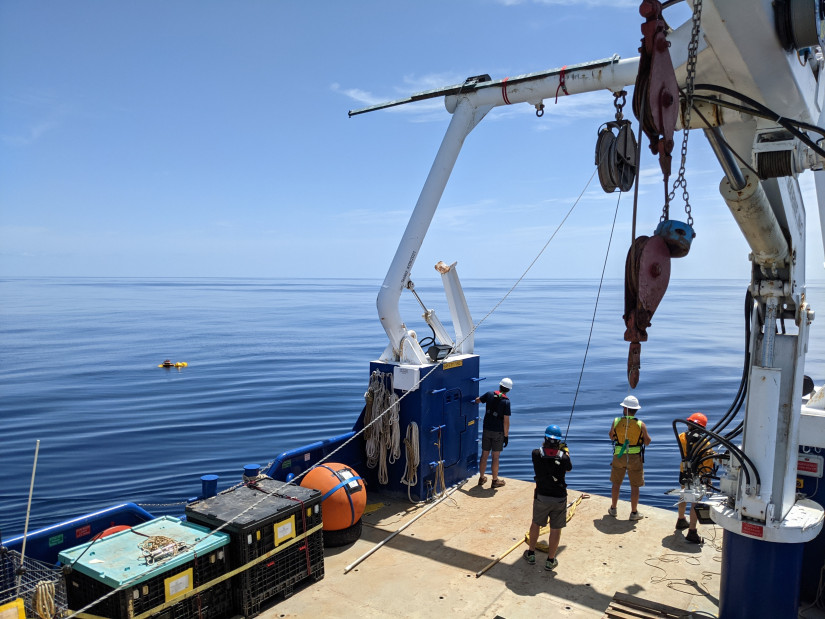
(276, 537)
(117, 577)
(24, 581)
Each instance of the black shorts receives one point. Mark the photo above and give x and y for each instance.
(492, 441)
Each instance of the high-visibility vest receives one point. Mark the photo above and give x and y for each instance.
(628, 433)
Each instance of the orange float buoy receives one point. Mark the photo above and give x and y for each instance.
(343, 494)
(107, 532)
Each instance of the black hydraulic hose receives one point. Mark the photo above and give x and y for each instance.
(735, 432)
(733, 449)
(760, 110)
(739, 399)
(718, 135)
(743, 459)
(756, 109)
(701, 450)
(692, 456)
(705, 445)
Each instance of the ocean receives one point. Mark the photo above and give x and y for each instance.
(274, 364)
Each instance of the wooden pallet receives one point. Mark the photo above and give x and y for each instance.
(624, 606)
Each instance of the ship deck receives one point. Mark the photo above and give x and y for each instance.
(432, 566)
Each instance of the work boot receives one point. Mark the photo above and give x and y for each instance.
(693, 537)
(497, 483)
(681, 523)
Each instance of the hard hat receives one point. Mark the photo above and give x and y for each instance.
(553, 432)
(631, 402)
(506, 383)
(699, 418)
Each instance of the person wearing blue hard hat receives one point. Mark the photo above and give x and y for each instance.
(550, 464)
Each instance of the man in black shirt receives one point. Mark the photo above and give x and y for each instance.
(495, 431)
(550, 464)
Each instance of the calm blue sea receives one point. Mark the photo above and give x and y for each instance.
(275, 364)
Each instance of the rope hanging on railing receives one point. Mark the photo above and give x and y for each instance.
(383, 439)
(410, 476)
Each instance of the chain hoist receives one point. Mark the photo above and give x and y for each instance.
(680, 181)
(655, 101)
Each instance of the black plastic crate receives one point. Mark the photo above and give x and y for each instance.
(283, 570)
(215, 603)
(276, 578)
(141, 585)
(259, 517)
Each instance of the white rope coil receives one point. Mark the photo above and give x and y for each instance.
(410, 477)
(44, 599)
(383, 439)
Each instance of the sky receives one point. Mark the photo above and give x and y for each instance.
(211, 139)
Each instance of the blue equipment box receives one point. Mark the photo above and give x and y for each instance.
(155, 563)
(449, 434)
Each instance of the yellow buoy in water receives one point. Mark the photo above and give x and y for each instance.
(170, 364)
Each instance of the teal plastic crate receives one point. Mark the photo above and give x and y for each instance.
(118, 561)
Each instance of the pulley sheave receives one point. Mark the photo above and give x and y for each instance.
(616, 156)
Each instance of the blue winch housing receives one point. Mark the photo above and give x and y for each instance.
(441, 404)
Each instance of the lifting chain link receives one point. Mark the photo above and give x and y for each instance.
(619, 104)
(680, 181)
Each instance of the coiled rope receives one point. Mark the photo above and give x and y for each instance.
(44, 599)
(383, 439)
(159, 547)
(410, 477)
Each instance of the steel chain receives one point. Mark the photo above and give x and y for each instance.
(680, 181)
(619, 105)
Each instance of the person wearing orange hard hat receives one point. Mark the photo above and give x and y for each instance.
(693, 441)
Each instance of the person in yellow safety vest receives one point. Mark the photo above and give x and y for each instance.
(688, 441)
(630, 437)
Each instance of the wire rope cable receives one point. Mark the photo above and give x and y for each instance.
(392, 406)
(593, 320)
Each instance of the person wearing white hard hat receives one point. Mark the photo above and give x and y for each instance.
(630, 437)
(495, 431)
